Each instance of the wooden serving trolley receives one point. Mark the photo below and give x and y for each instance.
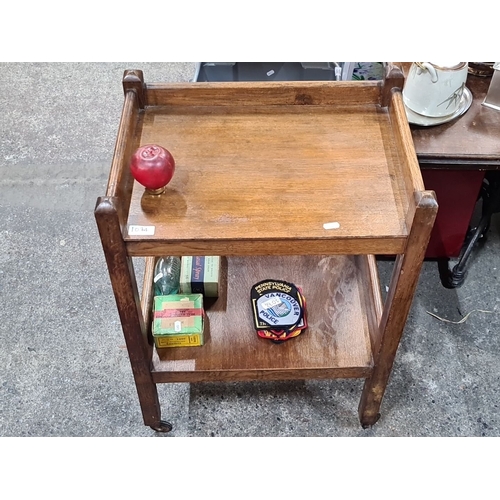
(300, 181)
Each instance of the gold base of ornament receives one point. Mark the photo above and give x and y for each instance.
(156, 192)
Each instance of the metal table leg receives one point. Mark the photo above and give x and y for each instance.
(490, 196)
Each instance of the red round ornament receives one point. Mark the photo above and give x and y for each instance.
(152, 166)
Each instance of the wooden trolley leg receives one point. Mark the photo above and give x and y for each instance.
(124, 284)
(404, 282)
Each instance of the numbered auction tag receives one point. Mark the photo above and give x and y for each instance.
(271, 303)
(141, 230)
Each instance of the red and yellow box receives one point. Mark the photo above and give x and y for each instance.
(178, 320)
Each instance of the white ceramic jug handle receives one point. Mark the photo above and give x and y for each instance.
(432, 71)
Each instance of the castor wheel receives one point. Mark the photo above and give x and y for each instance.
(164, 426)
(367, 425)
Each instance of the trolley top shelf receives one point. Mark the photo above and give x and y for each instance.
(273, 168)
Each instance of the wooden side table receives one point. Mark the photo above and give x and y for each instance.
(459, 161)
(301, 181)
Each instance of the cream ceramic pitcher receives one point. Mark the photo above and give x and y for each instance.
(435, 89)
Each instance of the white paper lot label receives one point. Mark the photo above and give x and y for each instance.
(274, 301)
(141, 230)
(331, 225)
(278, 309)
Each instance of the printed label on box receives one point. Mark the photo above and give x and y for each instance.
(179, 341)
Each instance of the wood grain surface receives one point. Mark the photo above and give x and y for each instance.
(335, 344)
(229, 94)
(274, 175)
(260, 170)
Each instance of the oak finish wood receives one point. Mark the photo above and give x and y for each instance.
(337, 338)
(230, 94)
(410, 169)
(259, 169)
(124, 285)
(402, 288)
(393, 81)
(120, 178)
(251, 174)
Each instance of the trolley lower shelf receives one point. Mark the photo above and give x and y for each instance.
(339, 290)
